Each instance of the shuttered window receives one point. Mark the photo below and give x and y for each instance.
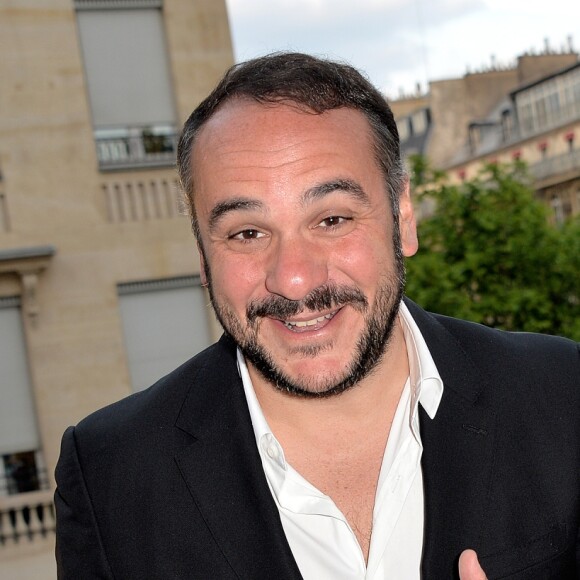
(18, 430)
(165, 322)
(126, 66)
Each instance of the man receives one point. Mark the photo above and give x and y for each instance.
(336, 431)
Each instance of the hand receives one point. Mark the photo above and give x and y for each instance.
(469, 568)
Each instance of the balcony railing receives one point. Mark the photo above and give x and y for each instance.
(138, 149)
(558, 164)
(26, 517)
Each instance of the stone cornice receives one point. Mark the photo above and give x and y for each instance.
(27, 263)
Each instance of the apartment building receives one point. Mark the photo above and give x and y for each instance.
(539, 122)
(99, 274)
(528, 111)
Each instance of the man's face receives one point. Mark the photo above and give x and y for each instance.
(298, 242)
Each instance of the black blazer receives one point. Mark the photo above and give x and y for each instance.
(168, 482)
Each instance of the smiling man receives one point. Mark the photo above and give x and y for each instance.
(337, 431)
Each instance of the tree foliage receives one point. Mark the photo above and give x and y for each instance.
(489, 254)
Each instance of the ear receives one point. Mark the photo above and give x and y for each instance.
(407, 223)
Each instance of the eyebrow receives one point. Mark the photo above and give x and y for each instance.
(236, 204)
(341, 185)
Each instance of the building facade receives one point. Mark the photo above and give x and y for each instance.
(99, 274)
(539, 123)
(529, 111)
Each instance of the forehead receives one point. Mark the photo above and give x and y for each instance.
(279, 148)
(246, 126)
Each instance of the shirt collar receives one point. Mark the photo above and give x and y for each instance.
(426, 383)
(262, 430)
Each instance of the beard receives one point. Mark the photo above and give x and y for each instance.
(371, 345)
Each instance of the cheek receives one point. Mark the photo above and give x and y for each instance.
(364, 259)
(236, 280)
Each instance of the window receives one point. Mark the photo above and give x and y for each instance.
(553, 105)
(474, 135)
(403, 127)
(507, 125)
(165, 322)
(20, 461)
(129, 81)
(420, 122)
(569, 94)
(526, 118)
(541, 113)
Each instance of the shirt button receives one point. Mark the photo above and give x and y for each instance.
(272, 452)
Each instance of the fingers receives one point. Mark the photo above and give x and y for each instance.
(469, 568)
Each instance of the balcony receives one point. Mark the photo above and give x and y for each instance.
(26, 518)
(557, 165)
(136, 148)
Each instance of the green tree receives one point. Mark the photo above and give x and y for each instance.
(488, 253)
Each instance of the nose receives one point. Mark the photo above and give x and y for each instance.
(296, 268)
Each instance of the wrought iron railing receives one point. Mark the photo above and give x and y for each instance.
(140, 149)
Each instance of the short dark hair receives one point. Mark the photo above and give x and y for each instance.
(317, 85)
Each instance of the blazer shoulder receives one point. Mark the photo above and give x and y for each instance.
(158, 406)
(512, 347)
(527, 362)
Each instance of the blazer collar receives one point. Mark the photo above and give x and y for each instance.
(456, 369)
(224, 474)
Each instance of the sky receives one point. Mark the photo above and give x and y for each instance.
(399, 43)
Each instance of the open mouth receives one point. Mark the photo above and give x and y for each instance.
(313, 324)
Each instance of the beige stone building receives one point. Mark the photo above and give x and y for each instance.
(539, 123)
(99, 275)
(530, 111)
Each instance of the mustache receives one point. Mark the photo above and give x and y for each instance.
(321, 298)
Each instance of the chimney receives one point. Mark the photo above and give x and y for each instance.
(546, 45)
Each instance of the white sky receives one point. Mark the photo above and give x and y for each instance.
(401, 42)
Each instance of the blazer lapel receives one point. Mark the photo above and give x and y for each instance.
(224, 474)
(458, 453)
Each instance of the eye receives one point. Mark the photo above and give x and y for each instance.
(333, 221)
(247, 235)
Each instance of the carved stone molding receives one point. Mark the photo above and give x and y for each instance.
(27, 264)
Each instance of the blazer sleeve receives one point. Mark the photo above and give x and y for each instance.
(79, 548)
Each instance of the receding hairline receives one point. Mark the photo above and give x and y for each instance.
(247, 100)
(241, 100)
(198, 145)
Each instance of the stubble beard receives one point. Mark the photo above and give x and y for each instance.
(379, 322)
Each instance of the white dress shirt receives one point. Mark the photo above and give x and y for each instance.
(322, 542)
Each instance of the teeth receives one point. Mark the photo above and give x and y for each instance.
(313, 322)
